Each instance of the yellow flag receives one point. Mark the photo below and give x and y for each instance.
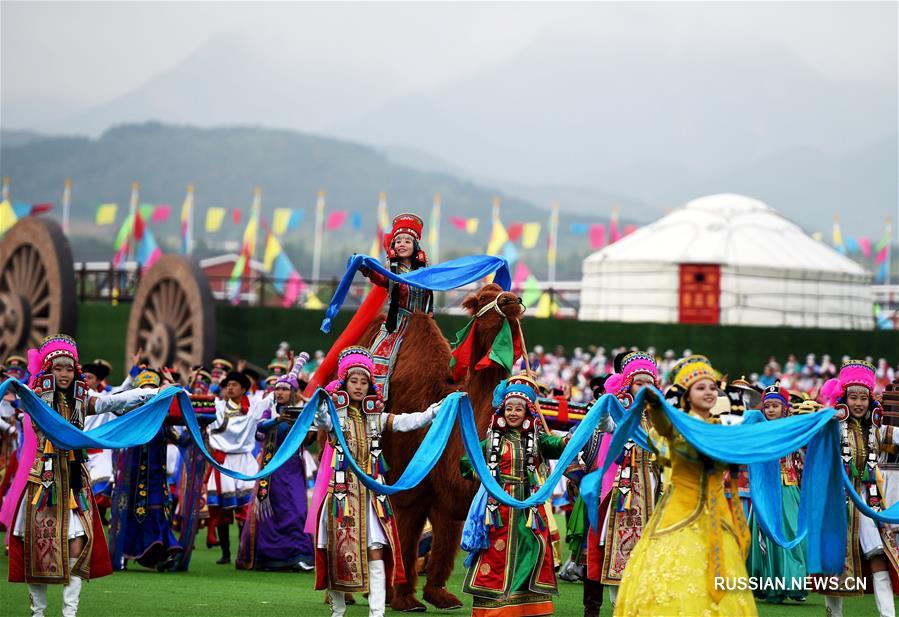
(546, 307)
(106, 214)
(498, 238)
(280, 220)
(471, 226)
(529, 235)
(312, 302)
(214, 219)
(272, 250)
(8, 216)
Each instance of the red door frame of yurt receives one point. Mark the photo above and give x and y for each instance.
(699, 294)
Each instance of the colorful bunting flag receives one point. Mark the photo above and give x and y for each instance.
(106, 214)
(530, 235)
(470, 226)
(236, 215)
(356, 221)
(883, 246)
(8, 216)
(281, 220)
(498, 238)
(214, 219)
(515, 231)
(242, 267)
(147, 251)
(531, 293)
(864, 244)
(41, 208)
(597, 236)
(21, 209)
(296, 219)
(510, 252)
(522, 272)
(146, 211)
(285, 279)
(336, 220)
(578, 229)
(161, 213)
(313, 303)
(546, 307)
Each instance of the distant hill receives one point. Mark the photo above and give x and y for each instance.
(226, 163)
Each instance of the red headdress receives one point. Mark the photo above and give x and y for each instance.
(410, 225)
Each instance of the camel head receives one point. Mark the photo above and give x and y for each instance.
(491, 306)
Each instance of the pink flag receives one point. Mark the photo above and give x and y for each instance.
(336, 220)
(235, 216)
(293, 288)
(459, 222)
(161, 213)
(881, 255)
(864, 243)
(629, 229)
(597, 236)
(521, 275)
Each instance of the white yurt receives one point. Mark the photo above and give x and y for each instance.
(726, 259)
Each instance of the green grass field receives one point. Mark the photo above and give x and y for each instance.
(210, 590)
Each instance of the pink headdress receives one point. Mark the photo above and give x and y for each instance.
(355, 357)
(629, 365)
(51, 348)
(852, 373)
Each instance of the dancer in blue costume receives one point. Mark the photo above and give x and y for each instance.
(141, 528)
(769, 562)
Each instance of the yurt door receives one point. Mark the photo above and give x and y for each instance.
(700, 293)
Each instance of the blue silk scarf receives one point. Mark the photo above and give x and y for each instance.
(441, 277)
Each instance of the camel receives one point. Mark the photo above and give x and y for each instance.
(421, 377)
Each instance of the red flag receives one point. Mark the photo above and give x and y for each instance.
(514, 231)
(40, 208)
(235, 216)
(138, 226)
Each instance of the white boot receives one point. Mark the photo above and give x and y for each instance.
(338, 603)
(38, 596)
(71, 592)
(377, 588)
(883, 594)
(834, 606)
(613, 595)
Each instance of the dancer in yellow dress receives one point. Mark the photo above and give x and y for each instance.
(695, 535)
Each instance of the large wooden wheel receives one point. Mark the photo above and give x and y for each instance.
(37, 285)
(173, 317)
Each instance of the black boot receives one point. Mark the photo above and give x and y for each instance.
(225, 541)
(592, 597)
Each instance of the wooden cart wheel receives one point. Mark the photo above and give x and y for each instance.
(37, 285)
(173, 316)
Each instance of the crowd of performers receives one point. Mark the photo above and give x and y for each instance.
(672, 521)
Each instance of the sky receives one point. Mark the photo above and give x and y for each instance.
(89, 53)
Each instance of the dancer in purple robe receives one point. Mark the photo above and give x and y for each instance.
(273, 537)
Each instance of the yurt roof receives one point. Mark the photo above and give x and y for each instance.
(732, 230)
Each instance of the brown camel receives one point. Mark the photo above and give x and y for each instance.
(422, 376)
